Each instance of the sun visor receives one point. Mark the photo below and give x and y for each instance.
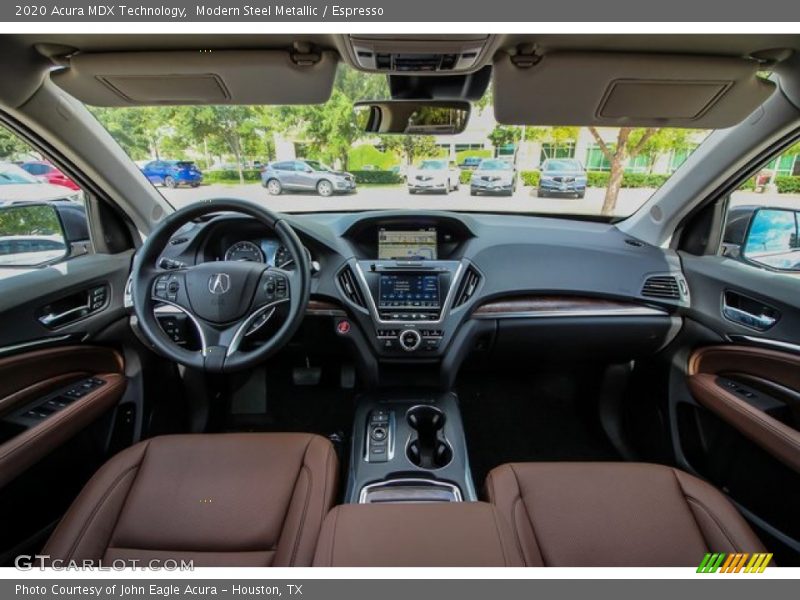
(637, 90)
(219, 77)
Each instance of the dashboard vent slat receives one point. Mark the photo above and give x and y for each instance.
(662, 286)
(349, 286)
(469, 284)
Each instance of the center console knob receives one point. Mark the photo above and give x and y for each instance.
(410, 339)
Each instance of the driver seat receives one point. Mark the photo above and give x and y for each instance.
(243, 499)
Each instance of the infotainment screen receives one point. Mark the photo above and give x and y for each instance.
(409, 291)
(407, 244)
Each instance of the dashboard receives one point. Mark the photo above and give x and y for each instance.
(427, 287)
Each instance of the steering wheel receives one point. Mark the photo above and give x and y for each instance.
(225, 299)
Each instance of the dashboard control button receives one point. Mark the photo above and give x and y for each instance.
(410, 340)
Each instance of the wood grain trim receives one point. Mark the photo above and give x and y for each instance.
(325, 308)
(782, 368)
(773, 365)
(545, 304)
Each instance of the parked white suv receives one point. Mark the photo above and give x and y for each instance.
(433, 175)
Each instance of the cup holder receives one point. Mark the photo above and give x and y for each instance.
(428, 448)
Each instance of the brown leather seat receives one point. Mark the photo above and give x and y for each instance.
(615, 514)
(217, 499)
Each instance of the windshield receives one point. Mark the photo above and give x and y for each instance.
(556, 169)
(494, 165)
(561, 165)
(11, 174)
(433, 165)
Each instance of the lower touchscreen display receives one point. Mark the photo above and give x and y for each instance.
(409, 291)
(419, 244)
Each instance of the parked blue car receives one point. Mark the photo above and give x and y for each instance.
(172, 173)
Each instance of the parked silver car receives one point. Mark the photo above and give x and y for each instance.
(306, 175)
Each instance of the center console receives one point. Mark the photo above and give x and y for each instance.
(408, 447)
(406, 291)
(406, 301)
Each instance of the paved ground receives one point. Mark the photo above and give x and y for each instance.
(380, 197)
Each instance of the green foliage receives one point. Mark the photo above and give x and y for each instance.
(412, 147)
(377, 177)
(502, 135)
(530, 178)
(483, 153)
(11, 146)
(465, 177)
(554, 135)
(788, 184)
(643, 180)
(231, 176)
(29, 220)
(599, 179)
(749, 185)
(140, 131)
(331, 129)
(364, 155)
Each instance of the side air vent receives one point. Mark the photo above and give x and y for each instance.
(466, 290)
(347, 282)
(665, 287)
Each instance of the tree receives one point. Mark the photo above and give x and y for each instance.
(139, 131)
(11, 146)
(411, 147)
(630, 143)
(503, 135)
(330, 130)
(221, 127)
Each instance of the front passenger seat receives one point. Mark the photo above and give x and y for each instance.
(615, 514)
(217, 499)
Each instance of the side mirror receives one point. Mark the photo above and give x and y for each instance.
(31, 235)
(773, 239)
(412, 117)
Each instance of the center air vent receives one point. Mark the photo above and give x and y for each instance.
(469, 284)
(347, 282)
(665, 287)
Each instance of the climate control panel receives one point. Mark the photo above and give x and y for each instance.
(409, 340)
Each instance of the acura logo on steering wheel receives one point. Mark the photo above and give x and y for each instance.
(219, 283)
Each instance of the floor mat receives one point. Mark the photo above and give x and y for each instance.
(546, 417)
(325, 409)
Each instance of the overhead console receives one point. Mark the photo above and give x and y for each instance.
(452, 54)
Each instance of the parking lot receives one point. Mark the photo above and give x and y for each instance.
(389, 197)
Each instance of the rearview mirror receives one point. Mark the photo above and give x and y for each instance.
(773, 239)
(412, 117)
(30, 235)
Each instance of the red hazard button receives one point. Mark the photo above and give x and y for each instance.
(343, 327)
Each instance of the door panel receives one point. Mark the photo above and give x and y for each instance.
(734, 394)
(26, 297)
(709, 277)
(48, 396)
(756, 391)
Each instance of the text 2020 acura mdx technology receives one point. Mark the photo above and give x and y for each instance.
(578, 372)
